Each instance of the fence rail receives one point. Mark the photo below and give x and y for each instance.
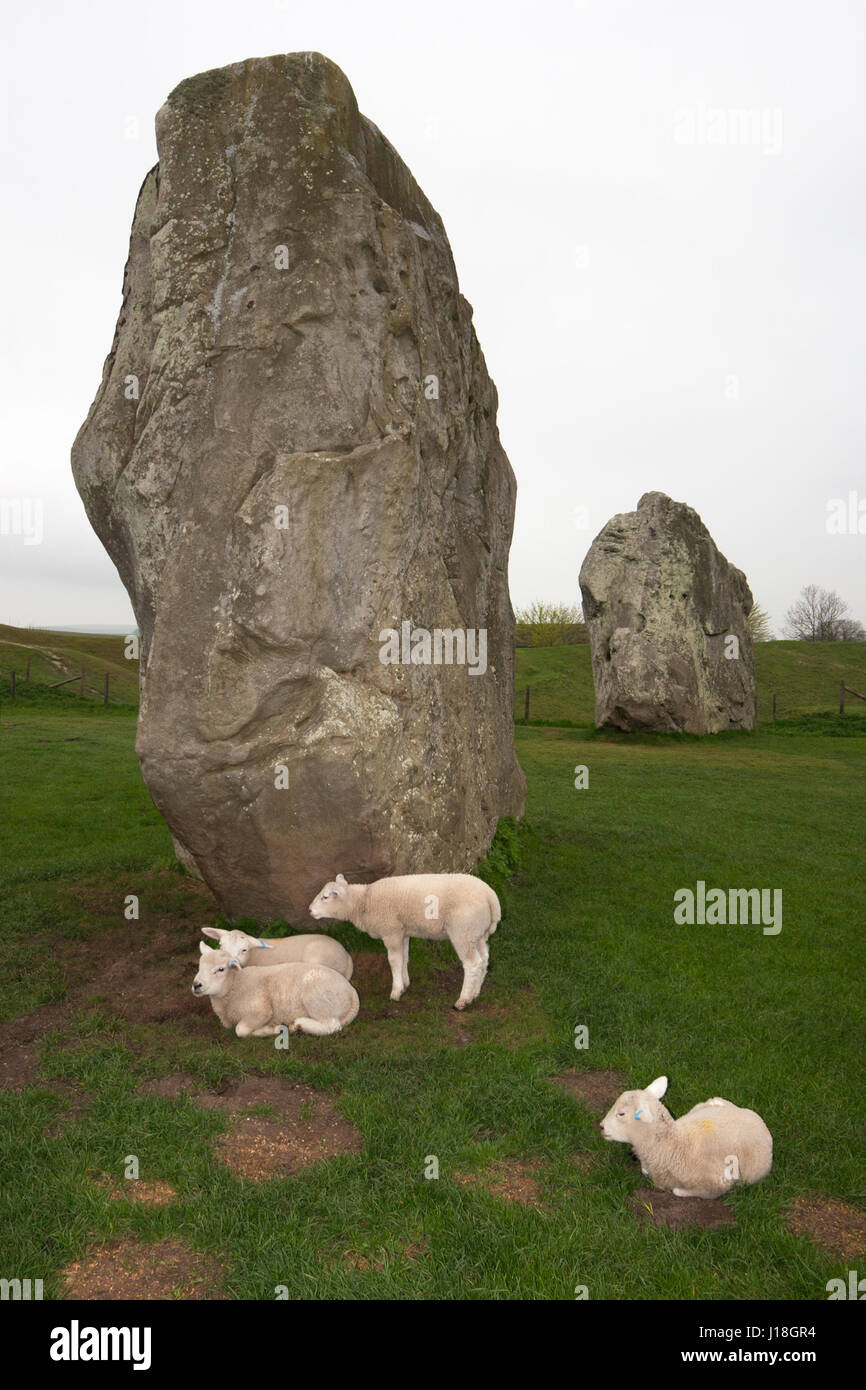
(847, 690)
(81, 678)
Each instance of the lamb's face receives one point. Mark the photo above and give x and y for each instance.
(214, 971)
(238, 945)
(329, 902)
(634, 1108)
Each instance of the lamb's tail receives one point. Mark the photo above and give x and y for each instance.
(495, 911)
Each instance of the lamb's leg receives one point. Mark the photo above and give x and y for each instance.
(256, 1026)
(484, 952)
(406, 961)
(318, 1026)
(683, 1192)
(473, 974)
(395, 960)
(245, 1030)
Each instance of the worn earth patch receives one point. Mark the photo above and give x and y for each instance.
(146, 1194)
(132, 1269)
(78, 1102)
(20, 1040)
(511, 1179)
(838, 1229)
(597, 1090)
(351, 1259)
(584, 1161)
(664, 1209)
(179, 1083)
(301, 1126)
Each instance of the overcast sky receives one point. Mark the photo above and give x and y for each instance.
(657, 210)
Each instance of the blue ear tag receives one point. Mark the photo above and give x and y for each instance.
(638, 1112)
(235, 964)
(265, 946)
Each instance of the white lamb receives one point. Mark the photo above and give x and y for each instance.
(258, 1003)
(703, 1153)
(457, 906)
(312, 949)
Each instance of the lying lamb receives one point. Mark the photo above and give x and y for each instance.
(312, 949)
(457, 906)
(258, 1003)
(703, 1153)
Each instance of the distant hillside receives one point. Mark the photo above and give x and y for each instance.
(805, 676)
(55, 655)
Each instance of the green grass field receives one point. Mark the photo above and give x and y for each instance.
(805, 676)
(54, 656)
(587, 937)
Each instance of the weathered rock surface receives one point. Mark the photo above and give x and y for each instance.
(293, 449)
(661, 605)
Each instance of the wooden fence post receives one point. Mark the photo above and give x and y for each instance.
(842, 698)
(105, 696)
(13, 686)
(27, 677)
(774, 707)
(526, 706)
(83, 674)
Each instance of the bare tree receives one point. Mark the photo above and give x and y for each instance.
(758, 623)
(820, 615)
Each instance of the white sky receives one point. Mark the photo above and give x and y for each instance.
(662, 303)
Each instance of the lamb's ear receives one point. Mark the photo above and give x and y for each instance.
(342, 882)
(203, 947)
(658, 1087)
(216, 932)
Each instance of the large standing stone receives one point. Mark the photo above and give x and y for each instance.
(293, 449)
(666, 614)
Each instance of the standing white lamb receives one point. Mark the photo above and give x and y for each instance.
(461, 907)
(311, 949)
(258, 1003)
(703, 1153)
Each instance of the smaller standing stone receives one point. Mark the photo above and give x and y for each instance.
(667, 620)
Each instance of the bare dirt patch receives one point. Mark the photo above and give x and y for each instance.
(258, 1149)
(19, 1066)
(351, 1259)
(597, 1090)
(146, 1194)
(584, 1161)
(511, 1179)
(838, 1229)
(20, 1041)
(294, 1127)
(372, 979)
(179, 1083)
(78, 1102)
(664, 1209)
(131, 1269)
(146, 979)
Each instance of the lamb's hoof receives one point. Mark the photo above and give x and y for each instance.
(396, 997)
(459, 1005)
(294, 1028)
